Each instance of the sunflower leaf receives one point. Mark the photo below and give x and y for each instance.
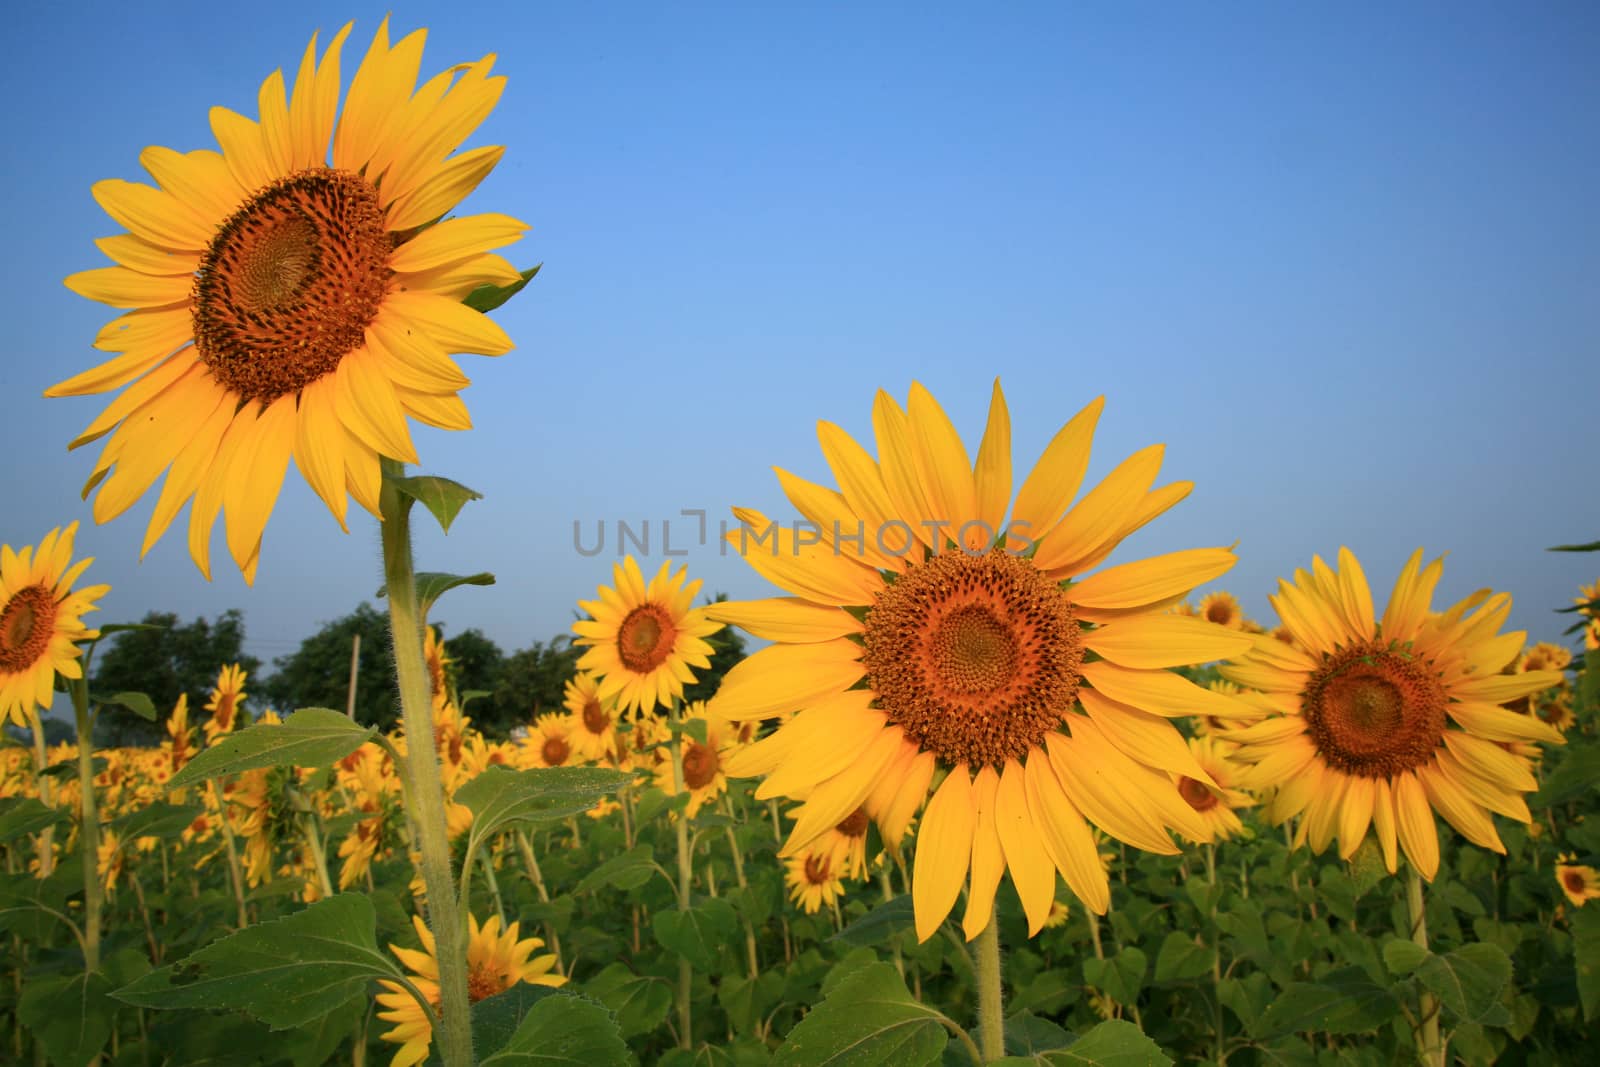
(630, 870)
(69, 1014)
(1115, 1043)
(639, 1001)
(20, 816)
(696, 933)
(1345, 1001)
(488, 297)
(500, 797)
(564, 1029)
(1592, 546)
(137, 703)
(1469, 982)
(431, 585)
(441, 496)
(285, 972)
(868, 1018)
(311, 737)
(1578, 773)
(156, 820)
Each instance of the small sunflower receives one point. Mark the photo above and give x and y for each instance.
(180, 745)
(1385, 721)
(642, 639)
(293, 295)
(1546, 656)
(549, 742)
(937, 652)
(703, 762)
(226, 699)
(41, 621)
(1580, 883)
(594, 725)
(813, 879)
(495, 962)
(438, 661)
(1223, 609)
(1215, 803)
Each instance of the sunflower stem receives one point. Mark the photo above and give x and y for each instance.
(1219, 1054)
(1430, 1050)
(991, 1018)
(89, 829)
(234, 874)
(530, 861)
(426, 793)
(744, 884)
(685, 972)
(44, 785)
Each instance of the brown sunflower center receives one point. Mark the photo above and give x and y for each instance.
(975, 657)
(26, 624)
(291, 282)
(855, 824)
(700, 765)
(483, 983)
(595, 719)
(645, 638)
(555, 751)
(1373, 712)
(1199, 797)
(819, 869)
(1573, 880)
(1219, 612)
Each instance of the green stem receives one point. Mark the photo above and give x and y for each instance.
(530, 861)
(1218, 1053)
(45, 786)
(313, 835)
(425, 795)
(89, 829)
(744, 884)
(685, 972)
(234, 873)
(1430, 1050)
(991, 1020)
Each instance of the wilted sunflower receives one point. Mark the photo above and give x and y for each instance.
(642, 639)
(41, 619)
(293, 296)
(225, 702)
(495, 962)
(1387, 720)
(926, 636)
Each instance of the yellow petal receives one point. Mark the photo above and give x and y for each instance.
(1413, 591)
(1090, 785)
(782, 678)
(124, 288)
(1162, 692)
(153, 215)
(1143, 737)
(1383, 823)
(135, 254)
(988, 860)
(1148, 581)
(943, 467)
(1452, 801)
(801, 567)
(1155, 641)
(1048, 490)
(1414, 820)
(253, 489)
(1031, 870)
(1066, 838)
(788, 619)
(898, 464)
(944, 850)
(456, 239)
(1096, 521)
(318, 450)
(242, 150)
(199, 179)
(448, 186)
(832, 801)
(991, 474)
(1494, 723)
(861, 485)
(450, 324)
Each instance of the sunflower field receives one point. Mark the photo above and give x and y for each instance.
(986, 792)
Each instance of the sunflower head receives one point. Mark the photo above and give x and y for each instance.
(225, 701)
(1223, 609)
(41, 621)
(1579, 882)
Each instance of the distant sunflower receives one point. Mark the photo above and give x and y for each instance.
(495, 962)
(1222, 609)
(224, 703)
(1580, 883)
(594, 725)
(41, 619)
(288, 302)
(703, 762)
(1215, 803)
(1385, 721)
(934, 649)
(642, 639)
(812, 876)
(180, 745)
(549, 741)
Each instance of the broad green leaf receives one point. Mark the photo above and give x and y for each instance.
(159, 819)
(1116, 1043)
(640, 1002)
(1402, 956)
(20, 816)
(36, 909)
(1469, 982)
(1181, 958)
(285, 972)
(137, 703)
(488, 297)
(1577, 775)
(1027, 1035)
(500, 797)
(1586, 948)
(431, 585)
(868, 1020)
(1345, 1001)
(696, 934)
(1120, 977)
(630, 870)
(878, 925)
(443, 497)
(495, 1019)
(745, 1000)
(69, 1014)
(564, 1031)
(315, 1043)
(311, 737)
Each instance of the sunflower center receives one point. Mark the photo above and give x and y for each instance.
(25, 627)
(645, 638)
(1373, 712)
(975, 657)
(854, 825)
(1574, 881)
(1219, 612)
(818, 869)
(290, 283)
(483, 983)
(700, 765)
(1199, 797)
(555, 751)
(595, 719)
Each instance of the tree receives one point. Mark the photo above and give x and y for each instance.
(476, 662)
(532, 682)
(162, 663)
(318, 673)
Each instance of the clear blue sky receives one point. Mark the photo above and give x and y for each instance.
(1342, 259)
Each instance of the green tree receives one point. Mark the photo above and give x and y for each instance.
(318, 673)
(162, 663)
(532, 682)
(476, 662)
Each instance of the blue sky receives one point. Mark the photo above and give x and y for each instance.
(1341, 260)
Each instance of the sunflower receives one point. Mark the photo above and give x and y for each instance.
(1223, 609)
(933, 648)
(41, 621)
(812, 876)
(1385, 721)
(293, 296)
(642, 639)
(1581, 884)
(495, 962)
(1546, 656)
(594, 725)
(1215, 803)
(225, 702)
(437, 658)
(549, 741)
(180, 748)
(704, 762)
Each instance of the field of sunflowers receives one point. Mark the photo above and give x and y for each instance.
(984, 792)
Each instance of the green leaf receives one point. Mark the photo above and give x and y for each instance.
(1577, 775)
(1116, 1043)
(1180, 958)
(878, 925)
(1586, 949)
(441, 496)
(500, 796)
(630, 870)
(20, 816)
(431, 585)
(137, 703)
(698, 932)
(1028, 1035)
(107, 629)
(1592, 546)
(311, 737)
(1469, 982)
(869, 1019)
(1120, 977)
(69, 1014)
(495, 1019)
(1402, 957)
(285, 972)
(315, 1043)
(1345, 1001)
(640, 1003)
(158, 819)
(488, 297)
(36, 908)
(564, 1030)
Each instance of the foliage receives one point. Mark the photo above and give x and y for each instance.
(317, 674)
(162, 662)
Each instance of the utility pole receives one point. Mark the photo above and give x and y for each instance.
(355, 660)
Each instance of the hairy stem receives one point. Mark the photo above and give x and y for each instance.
(1430, 1050)
(991, 1018)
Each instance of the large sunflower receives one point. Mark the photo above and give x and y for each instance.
(292, 296)
(1386, 721)
(642, 639)
(927, 636)
(41, 619)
